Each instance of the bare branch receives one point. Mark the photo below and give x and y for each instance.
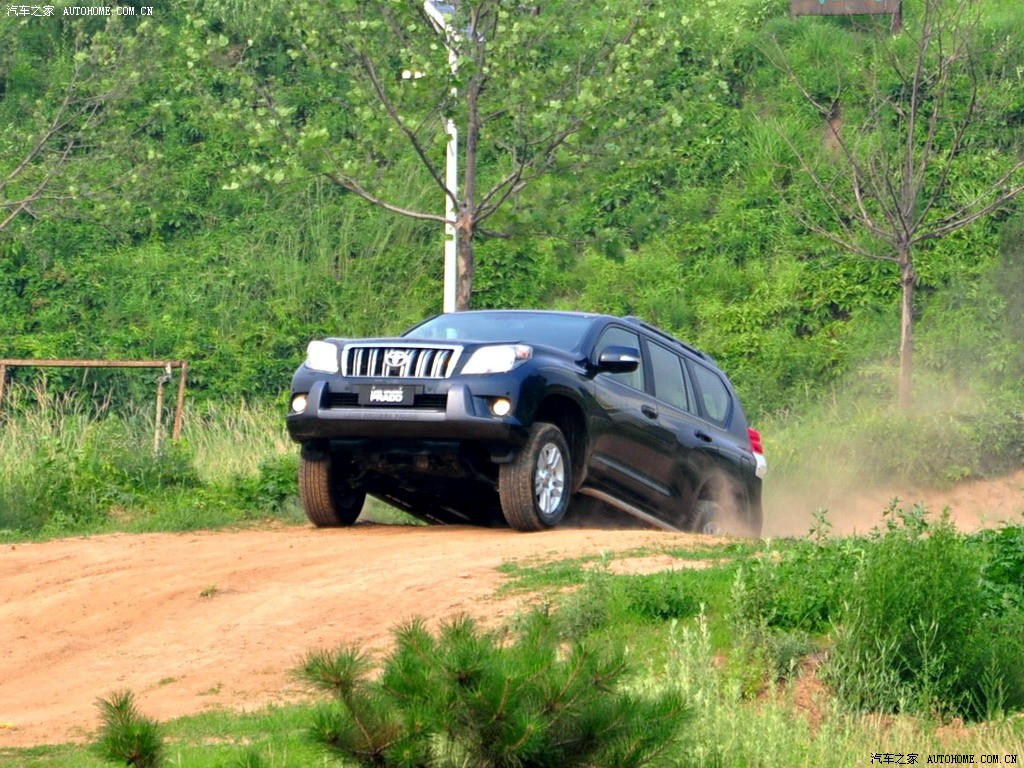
(355, 188)
(396, 118)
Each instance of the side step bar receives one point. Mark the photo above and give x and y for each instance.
(629, 509)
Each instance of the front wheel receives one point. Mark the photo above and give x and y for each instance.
(534, 488)
(326, 495)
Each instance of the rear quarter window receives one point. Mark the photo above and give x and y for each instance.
(712, 394)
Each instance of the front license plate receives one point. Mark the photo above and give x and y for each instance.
(386, 395)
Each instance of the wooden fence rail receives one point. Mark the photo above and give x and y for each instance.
(166, 365)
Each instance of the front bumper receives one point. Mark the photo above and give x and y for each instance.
(464, 416)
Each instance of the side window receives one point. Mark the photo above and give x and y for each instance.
(669, 384)
(714, 397)
(620, 337)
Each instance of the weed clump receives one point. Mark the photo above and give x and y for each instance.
(921, 633)
(916, 618)
(605, 601)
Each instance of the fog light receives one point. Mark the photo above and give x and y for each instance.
(299, 404)
(501, 407)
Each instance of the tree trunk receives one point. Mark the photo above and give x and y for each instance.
(464, 262)
(908, 280)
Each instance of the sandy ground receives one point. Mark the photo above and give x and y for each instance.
(206, 620)
(194, 621)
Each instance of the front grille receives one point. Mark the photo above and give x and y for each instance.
(406, 362)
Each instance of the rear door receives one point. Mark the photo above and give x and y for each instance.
(689, 453)
(717, 405)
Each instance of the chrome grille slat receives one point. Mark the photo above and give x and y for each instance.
(420, 361)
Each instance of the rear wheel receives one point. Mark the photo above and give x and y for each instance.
(327, 496)
(534, 488)
(734, 517)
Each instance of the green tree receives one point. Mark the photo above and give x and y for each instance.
(531, 89)
(67, 143)
(904, 143)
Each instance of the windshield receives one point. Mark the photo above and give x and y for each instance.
(544, 328)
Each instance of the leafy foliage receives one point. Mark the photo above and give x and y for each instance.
(73, 483)
(604, 601)
(801, 586)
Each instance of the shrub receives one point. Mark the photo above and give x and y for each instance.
(660, 596)
(604, 599)
(270, 489)
(464, 698)
(126, 736)
(797, 587)
(1002, 555)
(785, 598)
(916, 636)
(587, 609)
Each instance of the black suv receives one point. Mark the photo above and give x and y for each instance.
(508, 415)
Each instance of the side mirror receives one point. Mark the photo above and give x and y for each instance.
(618, 360)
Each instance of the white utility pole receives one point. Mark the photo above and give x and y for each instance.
(439, 14)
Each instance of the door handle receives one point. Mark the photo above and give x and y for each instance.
(703, 436)
(649, 411)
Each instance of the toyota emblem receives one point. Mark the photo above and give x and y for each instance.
(396, 358)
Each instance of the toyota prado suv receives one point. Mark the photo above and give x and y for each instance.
(517, 416)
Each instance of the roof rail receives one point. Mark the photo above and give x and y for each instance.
(665, 335)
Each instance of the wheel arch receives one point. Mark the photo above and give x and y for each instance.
(741, 504)
(567, 414)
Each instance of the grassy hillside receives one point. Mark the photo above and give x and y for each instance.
(160, 240)
(176, 222)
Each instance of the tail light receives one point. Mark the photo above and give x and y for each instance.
(755, 440)
(760, 463)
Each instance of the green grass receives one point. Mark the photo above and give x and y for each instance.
(218, 739)
(955, 431)
(70, 466)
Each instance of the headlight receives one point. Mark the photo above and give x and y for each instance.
(497, 359)
(322, 356)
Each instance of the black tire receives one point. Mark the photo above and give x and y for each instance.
(327, 497)
(713, 519)
(707, 518)
(534, 488)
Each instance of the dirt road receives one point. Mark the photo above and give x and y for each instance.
(192, 621)
(201, 620)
